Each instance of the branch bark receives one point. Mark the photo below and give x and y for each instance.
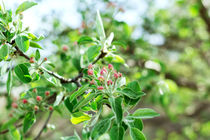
(44, 126)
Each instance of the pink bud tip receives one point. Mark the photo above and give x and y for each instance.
(32, 60)
(14, 105)
(116, 75)
(92, 82)
(24, 101)
(100, 78)
(109, 82)
(50, 108)
(34, 90)
(120, 74)
(36, 108)
(90, 72)
(110, 66)
(65, 48)
(38, 98)
(90, 66)
(100, 87)
(47, 93)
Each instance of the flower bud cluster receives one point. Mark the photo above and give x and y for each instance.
(35, 102)
(105, 79)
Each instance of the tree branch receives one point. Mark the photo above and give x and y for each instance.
(44, 126)
(204, 15)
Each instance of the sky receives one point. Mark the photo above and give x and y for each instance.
(69, 15)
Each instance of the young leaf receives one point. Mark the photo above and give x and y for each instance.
(136, 134)
(118, 43)
(4, 51)
(78, 92)
(84, 101)
(93, 52)
(116, 104)
(29, 120)
(117, 133)
(35, 45)
(9, 81)
(84, 40)
(136, 123)
(100, 27)
(22, 73)
(79, 117)
(59, 97)
(131, 93)
(22, 43)
(24, 6)
(100, 128)
(37, 55)
(144, 113)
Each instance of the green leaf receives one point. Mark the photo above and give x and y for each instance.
(116, 104)
(70, 105)
(134, 85)
(34, 38)
(4, 51)
(35, 45)
(37, 55)
(100, 128)
(100, 27)
(93, 52)
(24, 6)
(79, 117)
(132, 94)
(84, 40)
(137, 123)
(22, 73)
(29, 120)
(84, 101)
(15, 134)
(59, 98)
(50, 78)
(117, 133)
(79, 92)
(22, 43)
(144, 113)
(119, 43)
(9, 81)
(136, 134)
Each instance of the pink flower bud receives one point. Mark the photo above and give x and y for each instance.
(25, 101)
(100, 87)
(34, 90)
(109, 82)
(102, 72)
(90, 72)
(65, 48)
(90, 66)
(36, 108)
(47, 93)
(50, 108)
(14, 105)
(38, 98)
(110, 66)
(92, 82)
(115, 75)
(100, 78)
(119, 74)
(32, 60)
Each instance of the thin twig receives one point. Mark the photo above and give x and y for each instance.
(7, 130)
(44, 126)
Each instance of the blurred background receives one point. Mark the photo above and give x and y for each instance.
(165, 43)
